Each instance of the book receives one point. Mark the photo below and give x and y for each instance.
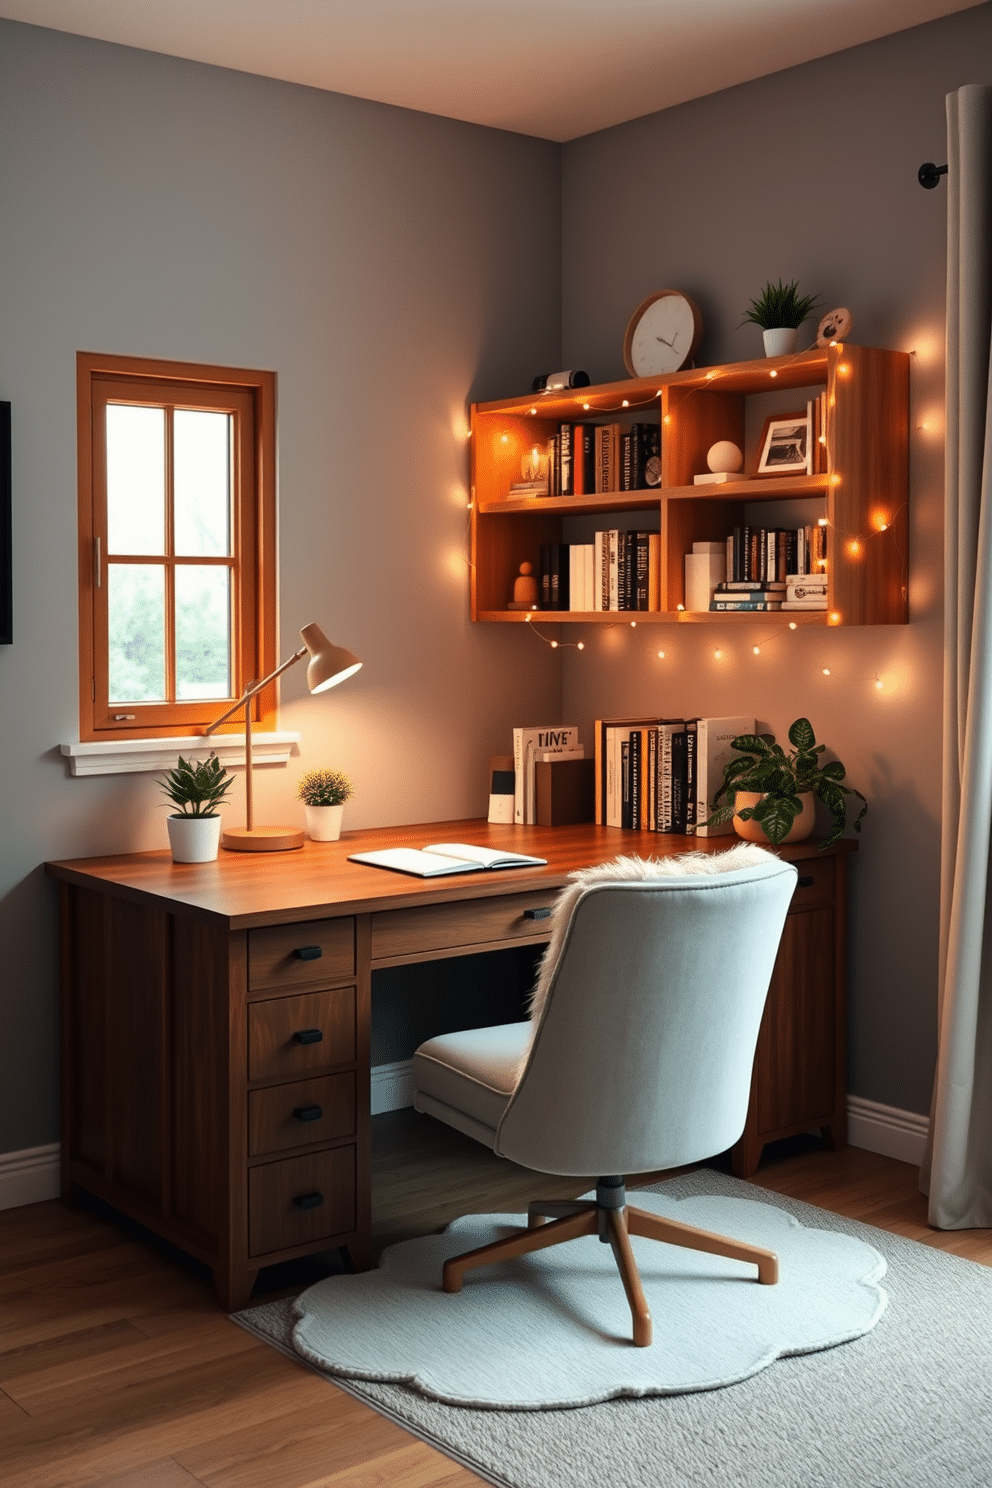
(725, 602)
(804, 604)
(566, 462)
(691, 730)
(713, 741)
(444, 857)
(669, 754)
(806, 589)
(746, 586)
(527, 743)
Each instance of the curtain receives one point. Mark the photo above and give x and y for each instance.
(957, 1171)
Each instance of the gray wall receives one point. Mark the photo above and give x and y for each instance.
(808, 174)
(372, 257)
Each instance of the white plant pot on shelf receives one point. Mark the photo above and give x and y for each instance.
(324, 822)
(780, 340)
(194, 839)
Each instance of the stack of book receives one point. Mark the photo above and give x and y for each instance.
(585, 459)
(806, 592)
(617, 571)
(661, 774)
(749, 594)
(770, 554)
(531, 746)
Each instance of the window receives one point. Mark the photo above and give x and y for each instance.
(177, 544)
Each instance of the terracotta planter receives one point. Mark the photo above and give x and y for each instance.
(780, 340)
(753, 831)
(194, 839)
(324, 822)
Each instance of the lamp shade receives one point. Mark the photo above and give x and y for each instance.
(328, 664)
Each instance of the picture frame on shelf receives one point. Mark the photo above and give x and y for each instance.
(785, 445)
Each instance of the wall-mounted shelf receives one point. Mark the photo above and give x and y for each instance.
(862, 495)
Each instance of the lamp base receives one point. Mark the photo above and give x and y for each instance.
(262, 839)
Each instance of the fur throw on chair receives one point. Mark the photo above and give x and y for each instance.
(628, 870)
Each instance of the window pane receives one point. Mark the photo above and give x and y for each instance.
(136, 620)
(202, 481)
(135, 479)
(203, 632)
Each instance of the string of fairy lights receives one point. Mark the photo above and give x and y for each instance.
(855, 544)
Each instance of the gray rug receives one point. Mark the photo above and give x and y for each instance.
(554, 1328)
(909, 1405)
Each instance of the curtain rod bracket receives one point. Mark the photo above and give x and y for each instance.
(929, 174)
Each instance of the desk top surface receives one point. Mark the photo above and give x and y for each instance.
(317, 880)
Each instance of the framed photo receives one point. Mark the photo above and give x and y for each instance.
(785, 445)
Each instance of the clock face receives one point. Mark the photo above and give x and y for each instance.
(663, 334)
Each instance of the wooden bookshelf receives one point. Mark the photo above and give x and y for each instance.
(862, 494)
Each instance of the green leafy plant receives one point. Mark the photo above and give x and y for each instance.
(197, 787)
(764, 766)
(780, 305)
(324, 788)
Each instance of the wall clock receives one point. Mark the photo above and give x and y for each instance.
(663, 334)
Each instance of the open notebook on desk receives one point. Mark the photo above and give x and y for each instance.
(444, 857)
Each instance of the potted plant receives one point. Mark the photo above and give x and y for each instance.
(780, 310)
(197, 787)
(323, 793)
(771, 794)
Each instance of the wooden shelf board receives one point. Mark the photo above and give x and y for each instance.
(562, 506)
(757, 488)
(655, 617)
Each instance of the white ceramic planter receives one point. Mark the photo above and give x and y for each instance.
(780, 341)
(194, 839)
(324, 822)
(753, 831)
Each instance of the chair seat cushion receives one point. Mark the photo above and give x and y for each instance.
(473, 1071)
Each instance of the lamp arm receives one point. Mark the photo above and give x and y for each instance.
(254, 689)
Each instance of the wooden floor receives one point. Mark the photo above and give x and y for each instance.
(118, 1368)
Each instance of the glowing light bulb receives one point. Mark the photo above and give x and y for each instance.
(710, 376)
(581, 646)
(662, 655)
(527, 617)
(878, 683)
(681, 606)
(854, 548)
(668, 418)
(533, 410)
(504, 438)
(834, 617)
(756, 650)
(554, 645)
(625, 403)
(792, 624)
(586, 407)
(844, 368)
(633, 624)
(822, 521)
(826, 671)
(717, 654)
(773, 374)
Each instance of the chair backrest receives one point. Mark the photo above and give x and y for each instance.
(652, 995)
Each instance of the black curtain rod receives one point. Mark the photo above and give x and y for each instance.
(929, 174)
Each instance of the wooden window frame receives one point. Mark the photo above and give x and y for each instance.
(253, 650)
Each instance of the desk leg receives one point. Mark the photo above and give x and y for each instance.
(233, 1287)
(745, 1156)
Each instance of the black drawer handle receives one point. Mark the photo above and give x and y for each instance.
(308, 1113)
(308, 953)
(806, 882)
(308, 1035)
(309, 1201)
(542, 913)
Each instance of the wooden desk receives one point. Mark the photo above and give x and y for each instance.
(215, 1023)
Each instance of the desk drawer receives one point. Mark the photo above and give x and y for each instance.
(301, 955)
(301, 1199)
(283, 1040)
(816, 883)
(439, 927)
(303, 1114)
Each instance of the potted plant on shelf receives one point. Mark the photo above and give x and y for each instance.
(780, 310)
(323, 793)
(197, 787)
(771, 794)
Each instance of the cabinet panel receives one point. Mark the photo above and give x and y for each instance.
(794, 1067)
(280, 1195)
(301, 955)
(302, 1114)
(281, 1033)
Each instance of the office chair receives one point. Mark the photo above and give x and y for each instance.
(637, 1056)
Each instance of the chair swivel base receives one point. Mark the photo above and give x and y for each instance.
(612, 1220)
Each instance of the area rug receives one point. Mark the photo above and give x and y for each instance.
(554, 1328)
(907, 1405)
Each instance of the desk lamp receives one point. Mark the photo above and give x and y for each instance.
(328, 666)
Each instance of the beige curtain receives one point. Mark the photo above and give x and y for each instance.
(958, 1170)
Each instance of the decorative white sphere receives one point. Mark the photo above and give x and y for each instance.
(724, 457)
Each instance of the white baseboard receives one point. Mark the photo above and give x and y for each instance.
(392, 1086)
(29, 1176)
(886, 1130)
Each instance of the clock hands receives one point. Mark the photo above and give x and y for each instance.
(668, 343)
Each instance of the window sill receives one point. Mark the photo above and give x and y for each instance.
(128, 756)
